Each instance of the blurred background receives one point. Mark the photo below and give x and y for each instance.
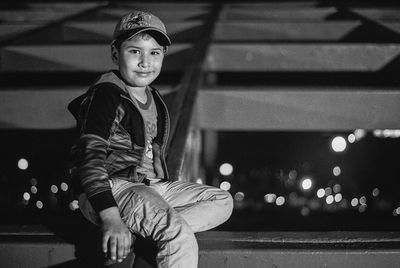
(295, 109)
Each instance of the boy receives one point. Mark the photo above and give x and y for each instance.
(119, 155)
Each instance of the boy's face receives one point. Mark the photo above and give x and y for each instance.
(139, 60)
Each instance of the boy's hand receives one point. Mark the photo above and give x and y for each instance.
(117, 238)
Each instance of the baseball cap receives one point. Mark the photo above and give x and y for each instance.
(141, 21)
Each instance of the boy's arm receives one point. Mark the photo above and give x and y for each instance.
(90, 150)
(90, 156)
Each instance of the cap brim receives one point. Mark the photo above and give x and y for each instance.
(161, 38)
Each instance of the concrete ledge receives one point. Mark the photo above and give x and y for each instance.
(37, 246)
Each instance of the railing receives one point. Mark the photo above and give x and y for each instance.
(181, 111)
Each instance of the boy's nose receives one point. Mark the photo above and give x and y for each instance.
(144, 61)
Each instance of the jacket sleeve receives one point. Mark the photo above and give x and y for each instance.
(98, 114)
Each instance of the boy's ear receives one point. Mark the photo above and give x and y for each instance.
(114, 54)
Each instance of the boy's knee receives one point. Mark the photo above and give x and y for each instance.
(228, 204)
(178, 231)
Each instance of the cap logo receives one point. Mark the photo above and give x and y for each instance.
(139, 20)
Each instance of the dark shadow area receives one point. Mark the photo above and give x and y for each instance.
(370, 32)
(276, 163)
(104, 16)
(188, 35)
(179, 60)
(358, 3)
(86, 238)
(391, 69)
(14, 5)
(381, 78)
(342, 15)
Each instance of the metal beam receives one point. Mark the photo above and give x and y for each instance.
(74, 58)
(102, 31)
(289, 31)
(41, 108)
(301, 57)
(296, 108)
(277, 14)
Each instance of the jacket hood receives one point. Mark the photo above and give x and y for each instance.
(109, 77)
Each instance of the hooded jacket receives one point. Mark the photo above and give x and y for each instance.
(111, 139)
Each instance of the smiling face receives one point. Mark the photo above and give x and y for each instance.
(139, 60)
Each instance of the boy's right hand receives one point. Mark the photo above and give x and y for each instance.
(117, 238)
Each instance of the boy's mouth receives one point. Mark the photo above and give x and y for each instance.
(143, 74)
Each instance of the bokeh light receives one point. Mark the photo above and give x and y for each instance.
(328, 191)
(351, 138)
(270, 198)
(280, 201)
(226, 169)
(34, 189)
(54, 189)
(239, 196)
(336, 171)
(363, 200)
(320, 193)
(23, 164)
(39, 204)
(354, 202)
(26, 196)
(337, 188)
(375, 192)
(74, 205)
(359, 134)
(329, 199)
(338, 197)
(225, 185)
(338, 144)
(306, 184)
(398, 211)
(64, 186)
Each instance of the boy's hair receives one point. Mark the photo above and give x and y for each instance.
(142, 35)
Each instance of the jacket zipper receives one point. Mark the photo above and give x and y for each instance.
(166, 136)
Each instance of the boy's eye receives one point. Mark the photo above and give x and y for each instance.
(156, 52)
(134, 51)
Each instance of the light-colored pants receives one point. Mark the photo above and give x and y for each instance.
(169, 213)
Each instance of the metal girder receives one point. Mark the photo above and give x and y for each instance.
(298, 108)
(380, 14)
(82, 57)
(288, 31)
(301, 57)
(178, 14)
(277, 14)
(45, 108)
(8, 31)
(102, 31)
(43, 12)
